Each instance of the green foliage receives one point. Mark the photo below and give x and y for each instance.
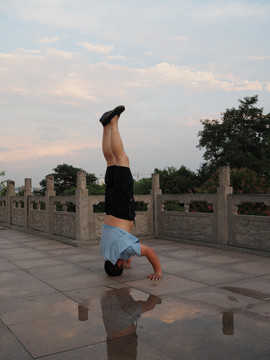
(253, 209)
(174, 206)
(95, 189)
(173, 181)
(3, 188)
(201, 206)
(140, 206)
(194, 206)
(65, 177)
(240, 139)
(142, 187)
(99, 208)
(243, 181)
(21, 192)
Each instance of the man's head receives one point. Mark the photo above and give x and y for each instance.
(113, 270)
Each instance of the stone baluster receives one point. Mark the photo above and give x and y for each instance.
(224, 189)
(48, 193)
(9, 194)
(27, 192)
(155, 191)
(82, 208)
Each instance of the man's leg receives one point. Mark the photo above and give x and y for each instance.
(107, 147)
(121, 158)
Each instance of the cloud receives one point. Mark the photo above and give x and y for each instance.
(41, 73)
(192, 78)
(48, 40)
(72, 90)
(182, 38)
(259, 57)
(60, 53)
(28, 51)
(228, 10)
(101, 49)
(37, 151)
(116, 57)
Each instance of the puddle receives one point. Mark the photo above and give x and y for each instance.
(127, 323)
(120, 311)
(133, 318)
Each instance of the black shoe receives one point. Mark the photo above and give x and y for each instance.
(107, 116)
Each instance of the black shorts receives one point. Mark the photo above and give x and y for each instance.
(119, 198)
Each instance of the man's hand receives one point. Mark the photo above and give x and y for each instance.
(154, 277)
(154, 261)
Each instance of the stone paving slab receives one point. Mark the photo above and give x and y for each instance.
(10, 346)
(56, 303)
(69, 277)
(18, 283)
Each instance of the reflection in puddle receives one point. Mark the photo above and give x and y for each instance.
(180, 327)
(120, 313)
(82, 313)
(228, 323)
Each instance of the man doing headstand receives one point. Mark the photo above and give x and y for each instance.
(117, 243)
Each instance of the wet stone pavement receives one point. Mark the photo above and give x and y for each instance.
(56, 303)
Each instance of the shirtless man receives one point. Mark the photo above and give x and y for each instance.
(117, 243)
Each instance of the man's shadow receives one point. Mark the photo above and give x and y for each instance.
(120, 313)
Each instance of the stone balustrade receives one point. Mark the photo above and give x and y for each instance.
(74, 219)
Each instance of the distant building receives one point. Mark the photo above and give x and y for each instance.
(100, 181)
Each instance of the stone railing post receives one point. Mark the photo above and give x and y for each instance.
(224, 189)
(27, 192)
(10, 192)
(48, 193)
(155, 191)
(82, 210)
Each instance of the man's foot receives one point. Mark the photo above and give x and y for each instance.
(107, 116)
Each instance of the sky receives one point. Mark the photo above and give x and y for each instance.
(173, 63)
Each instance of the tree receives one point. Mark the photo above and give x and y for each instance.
(240, 139)
(65, 179)
(142, 187)
(3, 188)
(243, 181)
(173, 181)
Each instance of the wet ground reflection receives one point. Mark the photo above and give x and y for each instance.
(228, 323)
(120, 313)
(180, 328)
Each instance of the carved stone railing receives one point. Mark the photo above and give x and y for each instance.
(18, 211)
(186, 224)
(249, 231)
(3, 209)
(144, 224)
(71, 217)
(74, 218)
(63, 223)
(37, 213)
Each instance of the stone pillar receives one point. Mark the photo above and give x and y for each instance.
(224, 189)
(27, 192)
(48, 193)
(155, 191)
(82, 208)
(9, 194)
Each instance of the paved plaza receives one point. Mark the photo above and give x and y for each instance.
(57, 303)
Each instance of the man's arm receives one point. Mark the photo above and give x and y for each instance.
(154, 260)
